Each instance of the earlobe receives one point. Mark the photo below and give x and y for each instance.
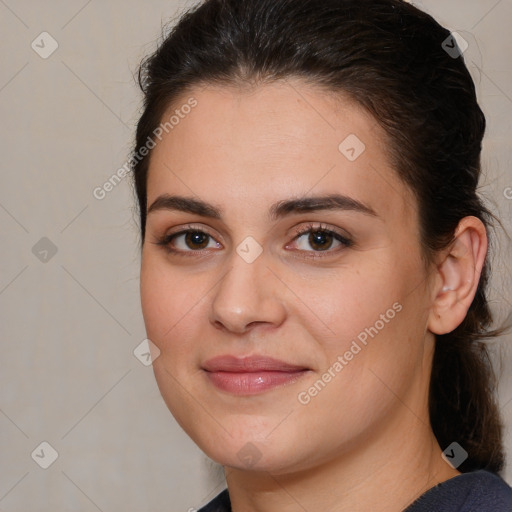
(458, 276)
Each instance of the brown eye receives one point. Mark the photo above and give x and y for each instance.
(196, 239)
(320, 239)
(188, 241)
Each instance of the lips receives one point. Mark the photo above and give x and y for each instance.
(251, 375)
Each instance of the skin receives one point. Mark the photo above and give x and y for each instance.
(367, 430)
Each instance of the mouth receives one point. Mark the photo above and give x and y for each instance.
(251, 375)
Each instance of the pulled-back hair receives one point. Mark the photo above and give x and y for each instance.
(405, 69)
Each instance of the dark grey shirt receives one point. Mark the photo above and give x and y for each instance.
(477, 491)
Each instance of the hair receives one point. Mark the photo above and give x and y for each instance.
(389, 57)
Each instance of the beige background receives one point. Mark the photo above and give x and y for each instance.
(69, 325)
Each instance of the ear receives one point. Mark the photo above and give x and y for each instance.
(458, 276)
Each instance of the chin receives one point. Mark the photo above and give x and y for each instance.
(247, 454)
(254, 460)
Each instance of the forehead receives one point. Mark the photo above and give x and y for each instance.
(254, 146)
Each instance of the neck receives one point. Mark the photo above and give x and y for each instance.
(384, 472)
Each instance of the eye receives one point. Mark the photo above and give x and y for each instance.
(320, 239)
(188, 241)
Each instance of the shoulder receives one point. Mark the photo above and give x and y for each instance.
(220, 503)
(480, 491)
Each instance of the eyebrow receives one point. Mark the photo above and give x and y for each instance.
(277, 210)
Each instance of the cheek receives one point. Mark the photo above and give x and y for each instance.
(154, 299)
(368, 317)
(170, 308)
(174, 307)
(348, 300)
(164, 300)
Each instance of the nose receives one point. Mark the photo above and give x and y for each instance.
(247, 295)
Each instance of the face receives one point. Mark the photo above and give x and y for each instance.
(301, 244)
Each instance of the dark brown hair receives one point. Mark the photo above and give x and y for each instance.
(392, 59)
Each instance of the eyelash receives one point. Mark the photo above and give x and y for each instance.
(166, 240)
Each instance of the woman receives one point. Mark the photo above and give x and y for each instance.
(314, 256)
